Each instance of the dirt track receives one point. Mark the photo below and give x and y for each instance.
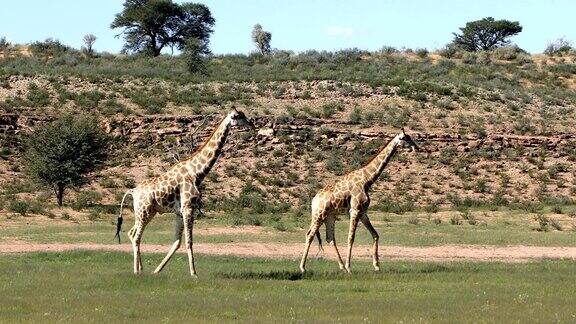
(477, 253)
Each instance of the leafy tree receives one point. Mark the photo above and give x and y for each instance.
(486, 34)
(262, 39)
(89, 41)
(193, 57)
(62, 153)
(151, 25)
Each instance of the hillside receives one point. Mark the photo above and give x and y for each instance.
(497, 128)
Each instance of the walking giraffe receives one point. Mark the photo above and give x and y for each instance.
(351, 192)
(177, 190)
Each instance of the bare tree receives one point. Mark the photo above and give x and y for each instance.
(89, 41)
(262, 39)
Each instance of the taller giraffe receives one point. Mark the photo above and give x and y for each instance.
(351, 192)
(177, 190)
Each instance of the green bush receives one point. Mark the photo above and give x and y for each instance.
(37, 97)
(86, 199)
(48, 48)
(355, 116)
(19, 206)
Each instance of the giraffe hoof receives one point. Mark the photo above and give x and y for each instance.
(376, 268)
(302, 270)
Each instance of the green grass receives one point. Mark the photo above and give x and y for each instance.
(501, 228)
(96, 286)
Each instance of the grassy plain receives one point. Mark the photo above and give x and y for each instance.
(96, 287)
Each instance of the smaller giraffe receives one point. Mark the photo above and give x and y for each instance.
(351, 192)
(177, 190)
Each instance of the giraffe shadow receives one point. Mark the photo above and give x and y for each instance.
(263, 275)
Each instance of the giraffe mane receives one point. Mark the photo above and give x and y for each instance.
(379, 151)
(206, 141)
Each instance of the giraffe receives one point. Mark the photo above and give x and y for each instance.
(351, 192)
(177, 190)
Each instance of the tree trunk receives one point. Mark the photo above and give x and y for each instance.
(59, 191)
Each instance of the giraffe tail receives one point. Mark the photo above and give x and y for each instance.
(120, 219)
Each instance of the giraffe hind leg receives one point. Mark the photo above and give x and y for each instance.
(178, 239)
(135, 235)
(331, 239)
(354, 218)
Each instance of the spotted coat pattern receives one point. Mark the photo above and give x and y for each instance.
(350, 193)
(177, 190)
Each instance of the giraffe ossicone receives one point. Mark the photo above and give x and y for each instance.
(350, 192)
(177, 190)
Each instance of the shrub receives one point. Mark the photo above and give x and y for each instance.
(88, 99)
(355, 116)
(555, 224)
(131, 183)
(61, 154)
(422, 52)
(449, 51)
(329, 109)
(543, 223)
(507, 53)
(49, 48)
(413, 220)
(558, 47)
(432, 208)
(152, 103)
(388, 50)
(469, 58)
(19, 206)
(455, 220)
(86, 199)
(4, 44)
(93, 216)
(37, 97)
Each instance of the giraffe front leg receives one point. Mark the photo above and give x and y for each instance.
(375, 237)
(354, 214)
(309, 238)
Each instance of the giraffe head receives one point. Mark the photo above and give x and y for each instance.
(407, 141)
(238, 118)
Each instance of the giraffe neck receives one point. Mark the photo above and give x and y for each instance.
(205, 158)
(375, 167)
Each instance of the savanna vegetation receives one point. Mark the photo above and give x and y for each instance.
(494, 122)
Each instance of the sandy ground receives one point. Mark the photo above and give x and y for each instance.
(479, 253)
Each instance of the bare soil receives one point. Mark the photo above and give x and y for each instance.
(444, 253)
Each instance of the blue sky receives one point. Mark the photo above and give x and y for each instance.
(302, 24)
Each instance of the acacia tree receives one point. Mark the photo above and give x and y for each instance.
(89, 41)
(262, 39)
(62, 153)
(486, 34)
(151, 25)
